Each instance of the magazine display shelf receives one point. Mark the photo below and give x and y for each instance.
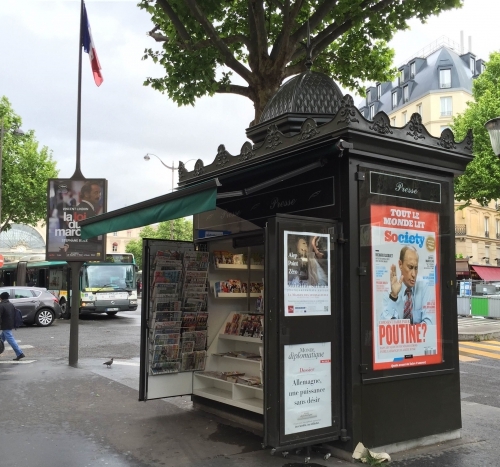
(239, 267)
(231, 392)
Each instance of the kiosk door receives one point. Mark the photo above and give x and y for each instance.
(301, 402)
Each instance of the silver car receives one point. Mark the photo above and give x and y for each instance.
(38, 306)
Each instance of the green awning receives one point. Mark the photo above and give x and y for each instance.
(185, 202)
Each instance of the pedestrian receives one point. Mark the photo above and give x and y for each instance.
(7, 312)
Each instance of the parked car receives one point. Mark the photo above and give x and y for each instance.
(38, 306)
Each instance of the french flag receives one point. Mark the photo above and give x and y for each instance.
(89, 47)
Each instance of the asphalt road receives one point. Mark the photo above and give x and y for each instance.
(99, 336)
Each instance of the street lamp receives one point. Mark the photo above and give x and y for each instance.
(173, 169)
(17, 132)
(493, 127)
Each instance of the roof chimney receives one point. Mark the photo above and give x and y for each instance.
(470, 44)
(461, 42)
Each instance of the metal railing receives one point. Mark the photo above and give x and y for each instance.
(460, 229)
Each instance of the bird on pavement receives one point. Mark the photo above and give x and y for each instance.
(108, 363)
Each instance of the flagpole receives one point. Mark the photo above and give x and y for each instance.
(76, 266)
(78, 173)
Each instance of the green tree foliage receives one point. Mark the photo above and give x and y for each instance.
(262, 41)
(481, 180)
(25, 171)
(182, 229)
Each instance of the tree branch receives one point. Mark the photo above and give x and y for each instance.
(235, 89)
(218, 43)
(158, 37)
(321, 44)
(257, 14)
(314, 21)
(335, 30)
(179, 27)
(281, 47)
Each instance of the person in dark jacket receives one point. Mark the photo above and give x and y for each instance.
(7, 312)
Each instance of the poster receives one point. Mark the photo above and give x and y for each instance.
(405, 287)
(308, 388)
(307, 289)
(70, 202)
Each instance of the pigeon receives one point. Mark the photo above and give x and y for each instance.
(108, 363)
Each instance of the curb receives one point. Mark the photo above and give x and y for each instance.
(478, 336)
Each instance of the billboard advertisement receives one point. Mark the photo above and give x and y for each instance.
(307, 290)
(69, 202)
(406, 317)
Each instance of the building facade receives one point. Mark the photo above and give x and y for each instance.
(437, 84)
(477, 233)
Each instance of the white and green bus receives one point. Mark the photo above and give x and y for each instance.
(105, 286)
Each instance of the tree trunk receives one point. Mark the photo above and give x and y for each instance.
(262, 93)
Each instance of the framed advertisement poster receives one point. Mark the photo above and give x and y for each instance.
(308, 387)
(407, 293)
(307, 272)
(406, 296)
(69, 202)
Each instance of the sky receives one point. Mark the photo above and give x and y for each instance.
(122, 120)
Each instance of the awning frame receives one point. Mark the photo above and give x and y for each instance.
(208, 186)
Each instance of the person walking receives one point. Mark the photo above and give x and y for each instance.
(7, 312)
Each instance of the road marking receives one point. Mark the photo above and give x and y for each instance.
(471, 322)
(481, 345)
(17, 362)
(464, 358)
(481, 353)
(126, 363)
(9, 349)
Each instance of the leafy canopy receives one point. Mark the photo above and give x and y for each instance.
(25, 171)
(182, 229)
(481, 180)
(206, 43)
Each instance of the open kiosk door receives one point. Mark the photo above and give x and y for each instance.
(301, 333)
(161, 371)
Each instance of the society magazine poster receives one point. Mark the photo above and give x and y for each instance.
(405, 287)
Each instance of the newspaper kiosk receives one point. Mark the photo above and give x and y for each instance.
(318, 295)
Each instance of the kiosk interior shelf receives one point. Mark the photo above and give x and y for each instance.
(235, 368)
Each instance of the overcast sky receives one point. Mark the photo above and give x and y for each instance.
(122, 120)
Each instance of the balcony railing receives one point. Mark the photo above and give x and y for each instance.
(487, 234)
(460, 229)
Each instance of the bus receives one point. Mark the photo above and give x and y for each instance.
(105, 287)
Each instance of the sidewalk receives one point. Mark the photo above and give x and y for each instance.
(54, 415)
(478, 329)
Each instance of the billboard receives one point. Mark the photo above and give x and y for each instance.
(406, 318)
(69, 202)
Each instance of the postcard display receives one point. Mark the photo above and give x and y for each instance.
(206, 318)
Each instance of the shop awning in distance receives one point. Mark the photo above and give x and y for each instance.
(462, 266)
(181, 203)
(488, 273)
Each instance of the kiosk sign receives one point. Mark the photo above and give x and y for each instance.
(405, 288)
(307, 274)
(308, 388)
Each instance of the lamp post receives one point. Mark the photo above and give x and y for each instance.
(493, 127)
(173, 169)
(16, 132)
